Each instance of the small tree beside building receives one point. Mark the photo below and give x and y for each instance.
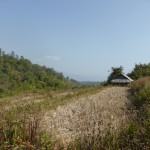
(118, 77)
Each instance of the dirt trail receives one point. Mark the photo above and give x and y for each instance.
(106, 110)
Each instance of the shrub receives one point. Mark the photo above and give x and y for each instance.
(139, 84)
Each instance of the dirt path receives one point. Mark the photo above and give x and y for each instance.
(106, 110)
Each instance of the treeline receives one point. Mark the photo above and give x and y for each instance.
(18, 73)
(140, 70)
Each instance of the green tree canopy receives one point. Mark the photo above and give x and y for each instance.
(18, 73)
(115, 71)
(140, 70)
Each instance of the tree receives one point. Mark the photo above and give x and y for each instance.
(1, 52)
(115, 72)
(4, 82)
(140, 70)
(12, 54)
(18, 73)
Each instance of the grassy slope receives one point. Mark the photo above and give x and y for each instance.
(93, 116)
(90, 109)
(23, 110)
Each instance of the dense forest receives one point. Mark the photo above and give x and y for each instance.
(19, 74)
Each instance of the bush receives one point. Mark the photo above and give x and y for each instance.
(139, 84)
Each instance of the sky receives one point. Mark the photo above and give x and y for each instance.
(82, 39)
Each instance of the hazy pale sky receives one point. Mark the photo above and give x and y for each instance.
(81, 38)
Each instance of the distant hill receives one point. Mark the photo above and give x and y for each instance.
(85, 78)
(90, 83)
(85, 83)
(18, 73)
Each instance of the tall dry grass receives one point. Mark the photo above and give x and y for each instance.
(20, 115)
(91, 116)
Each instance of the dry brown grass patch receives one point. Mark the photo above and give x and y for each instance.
(137, 85)
(89, 115)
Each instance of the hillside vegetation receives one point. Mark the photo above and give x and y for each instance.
(21, 115)
(86, 119)
(19, 74)
(140, 70)
(89, 118)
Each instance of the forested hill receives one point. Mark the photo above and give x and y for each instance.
(18, 73)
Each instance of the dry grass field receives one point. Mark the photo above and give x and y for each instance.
(96, 113)
(65, 116)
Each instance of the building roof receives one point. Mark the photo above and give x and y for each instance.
(127, 77)
(118, 79)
